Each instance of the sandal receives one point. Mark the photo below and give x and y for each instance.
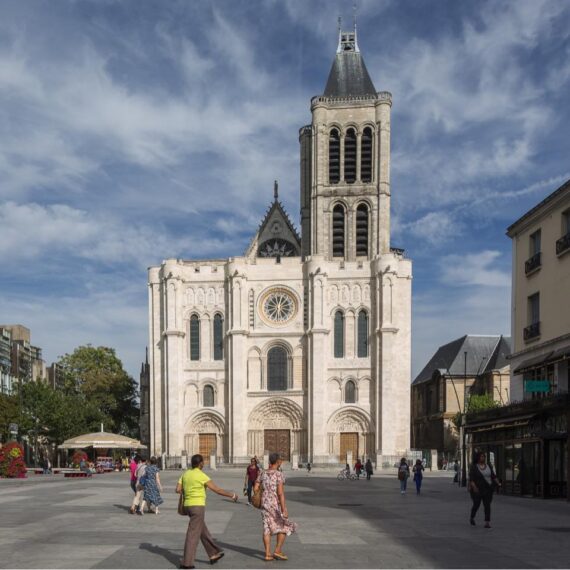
(214, 559)
(269, 559)
(280, 556)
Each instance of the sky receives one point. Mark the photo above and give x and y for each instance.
(132, 132)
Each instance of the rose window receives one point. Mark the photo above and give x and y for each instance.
(278, 307)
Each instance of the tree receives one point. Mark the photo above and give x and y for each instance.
(97, 375)
(480, 402)
(9, 413)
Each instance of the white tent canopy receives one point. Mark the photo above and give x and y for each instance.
(102, 440)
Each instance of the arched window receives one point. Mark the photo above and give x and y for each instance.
(277, 368)
(366, 155)
(208, 397)
(218, 337)
(194, 337)
(362, 230)
(362, 350)
(350, 392)
(334, 157)
(338, 220)
(338, 335)
(350, 156)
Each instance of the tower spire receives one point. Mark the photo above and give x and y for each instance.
(354, 9)
(339, 47)
(275, 190)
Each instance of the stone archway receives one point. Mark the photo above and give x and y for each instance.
(350, 434)
(205, 434)
(278, 423)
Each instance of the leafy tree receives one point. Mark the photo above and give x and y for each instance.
(480, 402)
(97, 375)
(9, 413)
(55, 415)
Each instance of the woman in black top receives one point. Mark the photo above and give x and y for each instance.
(482, 483)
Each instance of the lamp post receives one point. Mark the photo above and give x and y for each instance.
(463, 419)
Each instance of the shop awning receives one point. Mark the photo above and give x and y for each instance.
(534, 362)
(560, 354)
(499, 423)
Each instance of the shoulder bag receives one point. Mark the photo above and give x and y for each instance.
(256, 496)
(181, 508)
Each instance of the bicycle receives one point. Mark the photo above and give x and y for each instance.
(342, 475)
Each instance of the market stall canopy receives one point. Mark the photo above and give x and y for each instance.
(102, 440)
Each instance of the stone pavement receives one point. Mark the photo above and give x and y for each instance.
(77, 523)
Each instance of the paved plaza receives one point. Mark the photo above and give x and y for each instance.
(53, 522)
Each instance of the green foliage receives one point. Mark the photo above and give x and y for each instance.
(9, 413)
(479, 402)
(96, 375)
(55, 415)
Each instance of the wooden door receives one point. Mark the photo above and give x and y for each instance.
(279, 441)
(207, 445)
(348, 442)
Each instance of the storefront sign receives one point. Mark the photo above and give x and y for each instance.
(537, 386)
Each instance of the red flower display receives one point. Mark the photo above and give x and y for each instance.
(12, 463)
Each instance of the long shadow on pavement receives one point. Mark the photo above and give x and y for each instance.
(164, 552)
(252, 553)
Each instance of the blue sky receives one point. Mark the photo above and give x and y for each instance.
(135, 131)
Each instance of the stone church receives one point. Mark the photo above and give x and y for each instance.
(302, 344)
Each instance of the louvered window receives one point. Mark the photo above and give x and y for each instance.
(362, 230)
(218, 337)
(194, 337)
(334, 157)
(350, 392)
(339, 335)
(208, 397)
(362, 334)
(366, 156)
(350, 156)
(277, 369)
(338, 222)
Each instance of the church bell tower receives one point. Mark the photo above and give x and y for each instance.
(345, 163)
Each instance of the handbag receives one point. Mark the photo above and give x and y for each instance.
(256, 497)
(181, 508)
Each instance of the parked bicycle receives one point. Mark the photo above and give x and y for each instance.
(344, 475)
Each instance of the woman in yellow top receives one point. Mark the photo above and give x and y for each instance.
(193, 484)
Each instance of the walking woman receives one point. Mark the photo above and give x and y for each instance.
(418, 475)
(482, 482)
(251, 475)
(273, 508)
(403, 475)
(152, 488)
(193, 485)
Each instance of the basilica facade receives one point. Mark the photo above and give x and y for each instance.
(301, 345)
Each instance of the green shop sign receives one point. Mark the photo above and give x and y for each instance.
(537, 386)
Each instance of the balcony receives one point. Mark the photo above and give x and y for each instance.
(532, 331)
(533, 264)
(563, 244)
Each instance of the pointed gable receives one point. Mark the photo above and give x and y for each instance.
(276, 234)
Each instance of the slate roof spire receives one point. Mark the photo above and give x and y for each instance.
(348, 76)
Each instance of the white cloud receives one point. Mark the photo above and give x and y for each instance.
(432, 229)
(474, 269)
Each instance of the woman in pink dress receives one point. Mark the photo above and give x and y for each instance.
(274, 509)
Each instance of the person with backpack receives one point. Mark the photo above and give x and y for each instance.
(482, 484)
(403, 475)
(418, 475)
